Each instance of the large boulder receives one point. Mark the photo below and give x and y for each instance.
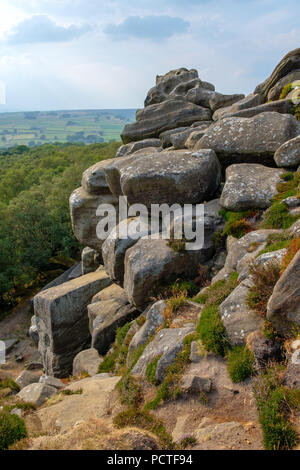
(110, 310)
(274, 93)
(288, 64)
(62, 321)
(83, 208)
(167, 343)
(249, 140)
(157, 118)
(218, 100)
(249, 186)
(288, 155)
(284, 304)
(122, 237)
(280, 106)
(90, 260)
(37, 393)
(133, 147)
(88, 361)
(247, 102)
(149, 262)
(26, 378)
(171, 177)
(93, 179)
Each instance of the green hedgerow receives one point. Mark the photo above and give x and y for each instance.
(211, 330)
(240, 362)
(12, 429)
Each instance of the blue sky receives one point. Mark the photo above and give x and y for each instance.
(72, 54)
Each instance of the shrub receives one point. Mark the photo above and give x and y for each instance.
(176, 302)
(293, 248)
(145, 420)
(188, 441)
(275, 403)
(264, 278)
(216, 293)
(285, 91)
(211, 330)
(237, 223)
(130, 391)
(278, 216)
(109, 362)
(12, 429)
(177, 245)
(240, 363)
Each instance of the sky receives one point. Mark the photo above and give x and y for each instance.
(87, 54)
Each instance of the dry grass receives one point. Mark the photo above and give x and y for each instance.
(264, 278)
(291, 252)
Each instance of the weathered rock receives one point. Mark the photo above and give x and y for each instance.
(200, 96)
(110, 310)
(294, 230)
(291, 77)
(165, 137)
(171, 177)
(178, 140)
(263, 260)
(93, 179)
(90, 260)
(133, 147)
(193, 138)
(72, 273)
(226, 435)
(63, 321)
(191, 383)
(87, 361)
(238, 319)
(37, 393)
(167, 343)
(249, 186)
(157, 118)
(83, 208)
(52, 382)
(122, 237)
(221, 101)
(26, 378)
(253, 140)
(33, 331)
(288, 64)
(292, 374)
(154, 319)
(284, 304)
(291, 202)
(264, 349)
(288, 155)
(35, 361)
(281, 106)
(150, 261)
(247, 102)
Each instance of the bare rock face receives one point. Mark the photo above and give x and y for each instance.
(221, 101)
(284, 304)
(166, 343)
(128, 149)
(157, 118)
(62, 321)
(288, 64)
(276, 90)
(110, 310)
(26, 378)
(249, 186)
(93, 179)
(249, 140)
(172, 177)
(288, 155)
(88, 361)
(248, 102)
(280, 106)
(90, 260)
(264, 349)
(37, 393)
(83, 208)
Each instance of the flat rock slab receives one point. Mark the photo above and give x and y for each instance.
(171, 177)
(167, 343)
(250, 140)
(249, 186)
(62, 321)
(157, 118)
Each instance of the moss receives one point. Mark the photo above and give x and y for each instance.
(122, 332)
(237, 223)
(140, 320)
(8, 383)
(109, 362)
(240, 362)
(285, 91)
(116, 358)
(12, 429)
(264, 278)
(219, 291)
(278, 217)
(151, 370)
(145, 420)
(211, 330)
(276, 241)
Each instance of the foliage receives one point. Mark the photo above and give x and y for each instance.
(35, 224)
(297, 112)
(276, 241)
(177, 287)
(145, 420)
(275, 404)
(188, 441)
(238, 223)
(12, 429)
(211, 330)
(240, 363)
(130, 391)
(8, 383)
(264, 278)
(285, 91)
(216, 293)
(151, 370)
(293, 248)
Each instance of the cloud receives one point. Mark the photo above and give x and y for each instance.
(40, 28)
(149, 27)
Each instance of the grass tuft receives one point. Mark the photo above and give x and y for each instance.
(211, 330)
(264, 278)
(12, 429)
(240, 363)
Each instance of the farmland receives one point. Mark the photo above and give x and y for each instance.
(82, 126)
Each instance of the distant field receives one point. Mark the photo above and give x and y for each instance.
(87, 126)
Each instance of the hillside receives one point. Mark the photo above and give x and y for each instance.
(82, 126)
